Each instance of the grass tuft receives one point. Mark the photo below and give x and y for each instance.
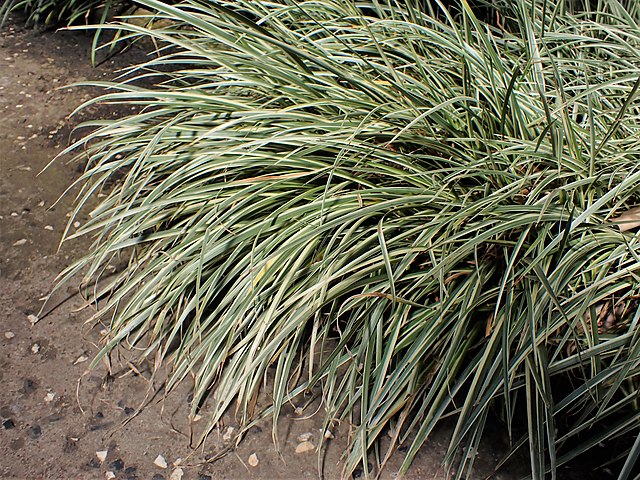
(411, 210)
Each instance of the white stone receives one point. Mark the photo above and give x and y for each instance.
(228, 434)
(305, 437)
(176, 474)
(253, 460)
(160, 462)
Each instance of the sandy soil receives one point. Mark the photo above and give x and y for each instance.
(52, 424)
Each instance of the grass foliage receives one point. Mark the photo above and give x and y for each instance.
(55, 13)
(411, 210)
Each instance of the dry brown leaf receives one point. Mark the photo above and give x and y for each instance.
(629, 219)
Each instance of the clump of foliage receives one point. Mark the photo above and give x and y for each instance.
(55, 13)
(46, 14)
(413, 209)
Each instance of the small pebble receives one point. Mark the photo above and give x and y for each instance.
(129, 410)
(93, 463)
(109, 475)
(8, 424)
(49, 228)
(204, 477)
(29, 386)
(160, 462)
(9, 335)
(177, 474)
(329, 435)
(33, 319)
(253, 460)
(157, 476)
(19, 243)
(35, 348)
(48, 398)
(102, 455)
(130, 471)
(117, 465)
(228, 434)
(54, 417)
(304, 447)
(305, 437)
(35, 431)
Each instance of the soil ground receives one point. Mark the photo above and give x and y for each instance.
(55, 414)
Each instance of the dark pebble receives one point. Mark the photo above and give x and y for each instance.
(99, 415)
(130, 471)
(129, 410)
(121, 403)
(190, 398)
(29, 386)
(94, 463)
(204, 477)
(8, 424)
(35, 431)
(54, 417)
(157, 476)
(116, 465)
(99, 426)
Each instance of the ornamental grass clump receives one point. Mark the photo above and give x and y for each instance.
(56, 13)
(49, 14)
(418, 211)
